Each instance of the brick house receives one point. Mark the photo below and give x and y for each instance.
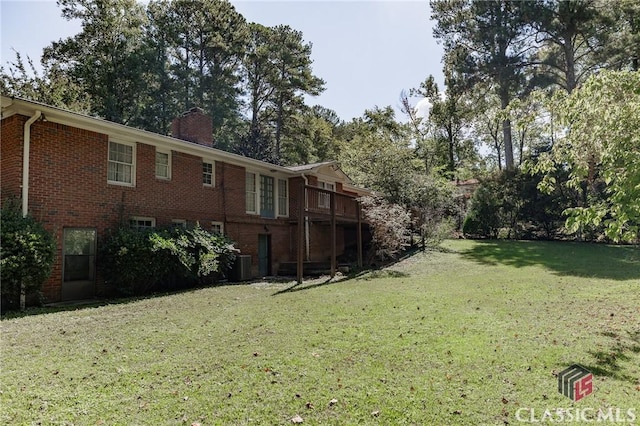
(81, 176)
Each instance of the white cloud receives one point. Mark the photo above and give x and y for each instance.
(422, 108)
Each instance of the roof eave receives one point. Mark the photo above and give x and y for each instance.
(120, 132)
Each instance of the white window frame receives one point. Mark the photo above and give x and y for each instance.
(253, 193)
(282, 200)
(251, 196)
(134, 222)
(168, 165)
(179, 222)
(212, 174)
(132, 165)
(217, 227)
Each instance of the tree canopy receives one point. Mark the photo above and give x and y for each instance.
(548, 87)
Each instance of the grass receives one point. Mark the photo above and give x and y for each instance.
(467, 335)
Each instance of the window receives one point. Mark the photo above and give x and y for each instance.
(250, 192)
(207, 174)
(324, 199)
(283, 197)
(121, 164)
(141, 223)
(217, 227)
(267, 203)
(163, 162)
(179, 223)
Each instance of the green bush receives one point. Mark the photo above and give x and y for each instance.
(509, 205)
(26, 255)
(136, 262)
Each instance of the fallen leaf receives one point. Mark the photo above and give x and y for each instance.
(333, 402)
(309, 405)
(297, 419)
(375, 413)
(505, 400)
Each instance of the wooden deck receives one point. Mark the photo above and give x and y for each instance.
(325, 205)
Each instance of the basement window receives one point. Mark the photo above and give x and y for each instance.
(140, 223)
(217, 227)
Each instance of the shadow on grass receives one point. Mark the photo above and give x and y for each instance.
(77, 305)
(306, 286)
(381, 271)
(364, 275)
(564, 258)
(607, 362)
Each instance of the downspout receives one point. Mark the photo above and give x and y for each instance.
(25, 162)
(306, 219)
(26, 145)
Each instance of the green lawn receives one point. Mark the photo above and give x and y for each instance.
(468, 335)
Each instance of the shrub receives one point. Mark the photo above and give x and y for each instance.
(26, 255)
(390, 225)
(137, 262)
(509, 205)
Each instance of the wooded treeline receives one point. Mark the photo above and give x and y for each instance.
(517, 75)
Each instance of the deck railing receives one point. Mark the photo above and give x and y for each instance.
(318, 202)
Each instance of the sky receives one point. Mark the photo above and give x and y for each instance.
(367, 52)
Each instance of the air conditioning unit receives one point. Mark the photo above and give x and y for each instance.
(241, 270)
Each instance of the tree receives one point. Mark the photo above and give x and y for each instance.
(622, 36)
(442, 142)
(602, 141)
(277, 72)
(377, 154)
(292, 77)
(206, 42)
(571, 33)
(487, 42)
(105, 59)
(52, 86)
(311, 136)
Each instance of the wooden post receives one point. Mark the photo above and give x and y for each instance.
(301, 220)
(359, 233)
(334, 249)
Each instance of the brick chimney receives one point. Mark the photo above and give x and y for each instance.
(193, 126)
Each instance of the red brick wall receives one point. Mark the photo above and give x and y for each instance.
(68, 188)
(11, 134)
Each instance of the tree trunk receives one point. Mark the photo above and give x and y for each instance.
(23, 297)
(451, 141)
(570, 72)
(506, 131)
